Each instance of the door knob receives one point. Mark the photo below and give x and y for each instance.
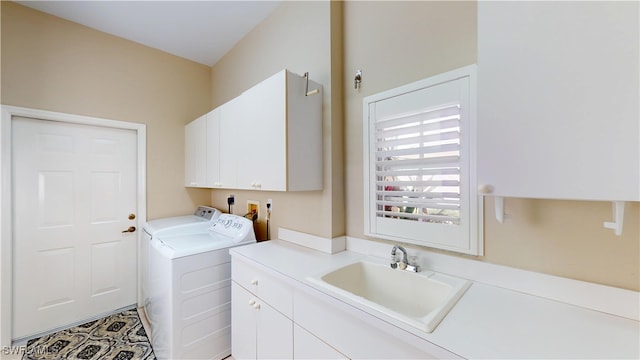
(130, 229)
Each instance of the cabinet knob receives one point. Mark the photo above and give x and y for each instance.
(485, 189)
(252, 302)
(254, 282)
(256, 306)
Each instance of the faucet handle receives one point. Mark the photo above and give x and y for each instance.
(413, 264)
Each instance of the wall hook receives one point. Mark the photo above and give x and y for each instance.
(306, 86)
(618, 217)
(498, 201)
(499, 209)
(358, 79)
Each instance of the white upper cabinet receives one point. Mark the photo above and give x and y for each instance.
(195, 152)
(263, 134)
(213, 148)
(268, 138)
(558, 100)
(230, 149)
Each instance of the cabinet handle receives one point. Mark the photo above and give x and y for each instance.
(256, 185)
(254, 282)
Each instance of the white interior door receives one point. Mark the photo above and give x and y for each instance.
(74, 189)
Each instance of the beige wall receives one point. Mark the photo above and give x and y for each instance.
(53, 64)
(301, 37)
(395, 43)
(48, 63)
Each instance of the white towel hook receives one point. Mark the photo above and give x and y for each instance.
(308, 92)
(499, 207)
(498, 201)
(618, 217)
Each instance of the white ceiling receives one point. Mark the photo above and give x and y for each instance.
(202, 31)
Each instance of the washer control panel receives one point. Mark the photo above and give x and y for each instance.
(236, 227)
(205, 212)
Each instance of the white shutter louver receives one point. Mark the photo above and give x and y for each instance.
(418, 166)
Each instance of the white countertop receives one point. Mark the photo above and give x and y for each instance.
(488, 321)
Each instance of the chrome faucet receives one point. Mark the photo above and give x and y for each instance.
(404, 263)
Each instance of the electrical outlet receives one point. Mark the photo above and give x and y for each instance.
(253, 207)
(270, 204)
(231, 200)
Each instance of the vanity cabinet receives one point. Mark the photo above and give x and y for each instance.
(258, 330)
(277, 318)
(359, 335)
(261, 310)
(558, 100)
(309, 346)
(269, 137)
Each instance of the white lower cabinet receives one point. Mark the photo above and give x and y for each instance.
(258, 331)
(357, 334)
(274, 317)
(308, 346)
(243, 323)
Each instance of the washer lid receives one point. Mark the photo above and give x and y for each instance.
(154, 226)
(181, 245)
(203, 214)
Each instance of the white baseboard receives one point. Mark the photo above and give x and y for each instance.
(326, 245)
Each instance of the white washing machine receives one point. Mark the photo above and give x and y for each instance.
(190, 289)
(202, 219)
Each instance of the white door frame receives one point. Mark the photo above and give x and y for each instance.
(6, 221)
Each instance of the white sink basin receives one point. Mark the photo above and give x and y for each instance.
(418, 299)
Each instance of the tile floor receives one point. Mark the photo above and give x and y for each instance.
(16, 352)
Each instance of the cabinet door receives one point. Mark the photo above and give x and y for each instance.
(274, 334)
(230, 146)
(357, 334)
(213, 148)
(258, 330)
(558, 99)
(308, 346)
(195, 153)
(263, 136)
(243, 323)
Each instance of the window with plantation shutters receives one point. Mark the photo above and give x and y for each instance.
(420, 165)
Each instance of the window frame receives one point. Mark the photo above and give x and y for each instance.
(466, 238)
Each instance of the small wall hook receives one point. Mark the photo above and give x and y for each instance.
(618, 217)
(358, 79)
(306, 86)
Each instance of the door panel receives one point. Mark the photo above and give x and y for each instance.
(74, 187)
